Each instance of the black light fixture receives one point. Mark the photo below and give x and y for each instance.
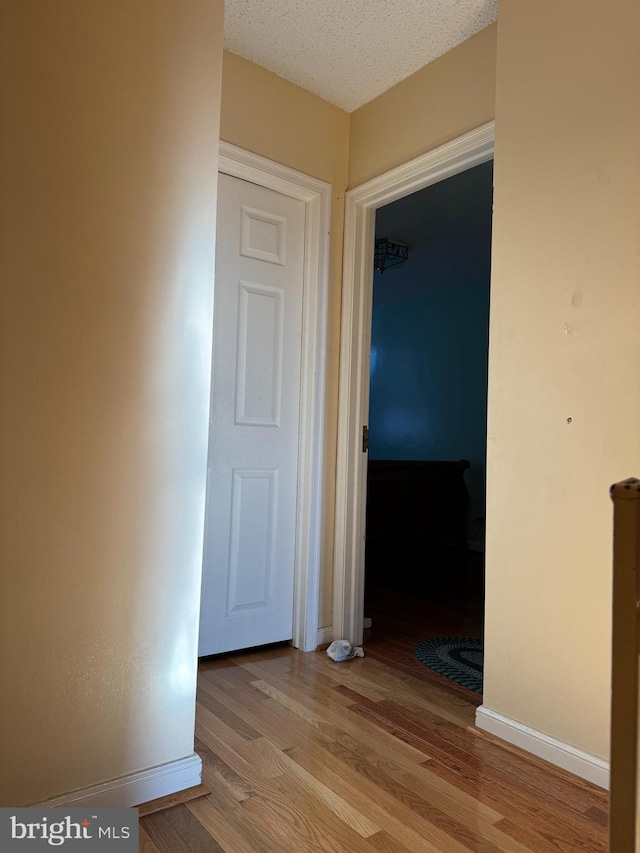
(390, 253)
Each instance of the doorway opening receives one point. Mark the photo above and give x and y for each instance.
(425, 508)
(459, 155)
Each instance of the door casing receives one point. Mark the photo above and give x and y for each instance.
(456, 156)
(316, 196)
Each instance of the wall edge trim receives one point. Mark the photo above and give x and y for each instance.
(325, 635)
(544, 746)
(135, 788)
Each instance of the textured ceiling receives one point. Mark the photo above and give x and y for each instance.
(349, 51)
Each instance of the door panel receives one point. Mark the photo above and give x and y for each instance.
(252, 559)
(253, 447)
(260, 348)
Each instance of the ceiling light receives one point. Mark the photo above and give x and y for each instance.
(390, 253)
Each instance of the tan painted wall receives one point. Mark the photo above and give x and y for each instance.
(110, 116)
(269, 116)
(448, 97)
(564, 345)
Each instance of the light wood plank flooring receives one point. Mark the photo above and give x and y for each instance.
(302, 754)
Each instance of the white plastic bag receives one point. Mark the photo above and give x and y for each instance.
(341, 650)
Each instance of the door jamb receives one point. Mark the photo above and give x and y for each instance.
(456, 156)
(316, 196)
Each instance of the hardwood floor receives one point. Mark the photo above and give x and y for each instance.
(375, 754)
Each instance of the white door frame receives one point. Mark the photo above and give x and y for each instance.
(316, 196)
(353, 407)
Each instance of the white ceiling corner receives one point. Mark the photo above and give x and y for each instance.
(350, 51)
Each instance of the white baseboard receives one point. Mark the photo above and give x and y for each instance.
(325, 635)
(136, 788)
(544, 746)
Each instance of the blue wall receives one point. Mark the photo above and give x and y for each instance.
(430, 330)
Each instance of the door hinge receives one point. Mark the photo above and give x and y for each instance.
(365, 438)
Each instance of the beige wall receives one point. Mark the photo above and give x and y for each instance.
(108, 258)
(448, 97)
(274, 118)
(110, 118)
(564, 345)
(269, 116)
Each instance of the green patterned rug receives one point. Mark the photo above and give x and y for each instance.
(458, 658)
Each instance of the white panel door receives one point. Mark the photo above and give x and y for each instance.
(247, 597)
